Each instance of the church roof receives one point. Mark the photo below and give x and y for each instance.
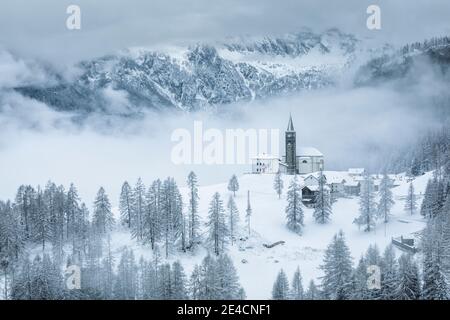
(290, 124)
(308, 152)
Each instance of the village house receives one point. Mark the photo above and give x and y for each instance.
(352, 187)
(265, 163)
(309, 194)
(356, 172)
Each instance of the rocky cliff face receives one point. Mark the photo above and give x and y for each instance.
(202, 76)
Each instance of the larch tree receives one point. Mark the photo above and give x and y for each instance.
(171, 216)
(233, 185)
(386, 199)
(152, 220)
(337, 268)
(42, 224)
(367, 205)
(138, 210)
(408, 281)
(389, 270)
(248, 214)
(297, 292)
(435, 245)
(411, 201)
(103, 218)
(72, 208)
(179, 282)
(233, 218)
(227, 279)
(217, 228)
(313, 292)
(193, 217)
(280, 290)
(125, 204)
(294, 211)
(278, 184)
(322, 208)
(125, 287)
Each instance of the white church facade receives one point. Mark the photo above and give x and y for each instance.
(297, 160)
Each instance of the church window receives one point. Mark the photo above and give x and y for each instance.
(304, 161)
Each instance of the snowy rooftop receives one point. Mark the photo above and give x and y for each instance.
(351, 183)
(308, 152)
(265, 156)
(315, 187)
(332, 176)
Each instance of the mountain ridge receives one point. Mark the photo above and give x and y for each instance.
(203, 76)
(207, 76)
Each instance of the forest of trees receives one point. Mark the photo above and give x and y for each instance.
(44, 230)
(400, 278)
(56, 221)
(407, 277)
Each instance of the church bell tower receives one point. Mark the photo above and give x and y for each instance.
(291, 152)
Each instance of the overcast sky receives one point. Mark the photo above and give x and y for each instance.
(37, 28)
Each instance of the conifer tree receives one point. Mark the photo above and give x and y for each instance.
(217, 228)
(411, 202)
(278, 184)
(103, 218)
(208, 280)
(193, 217)
(126, 281)
(42, 227)
(126, 204)
(178, 282)
(248, 214)
(389, 270)
(227, 279)
(171, 216)
(138, 210)
(358, 284)
(280, 289)
(195, 283)
(233, 218)
(408, 287)
(72, 210)
(434, 283)
(152, 229)
(386, 199)
(337, 268)
(434, 248)
(297, 286)
(233, 185)
(294, 211)
(322, 209)
(367, 205)
(313, 292)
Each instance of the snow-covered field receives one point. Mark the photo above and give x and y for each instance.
(258, 266)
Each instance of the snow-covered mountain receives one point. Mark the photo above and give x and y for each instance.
(411, 62)
(240, 69)
(204, 75)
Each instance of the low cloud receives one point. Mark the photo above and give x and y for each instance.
(356, 127)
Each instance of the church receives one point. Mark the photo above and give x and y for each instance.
(297, 160)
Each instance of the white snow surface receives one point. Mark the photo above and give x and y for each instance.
(268, 225)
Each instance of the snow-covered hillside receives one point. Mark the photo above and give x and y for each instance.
(258, 266)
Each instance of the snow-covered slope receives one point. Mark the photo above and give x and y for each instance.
(258, 266)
